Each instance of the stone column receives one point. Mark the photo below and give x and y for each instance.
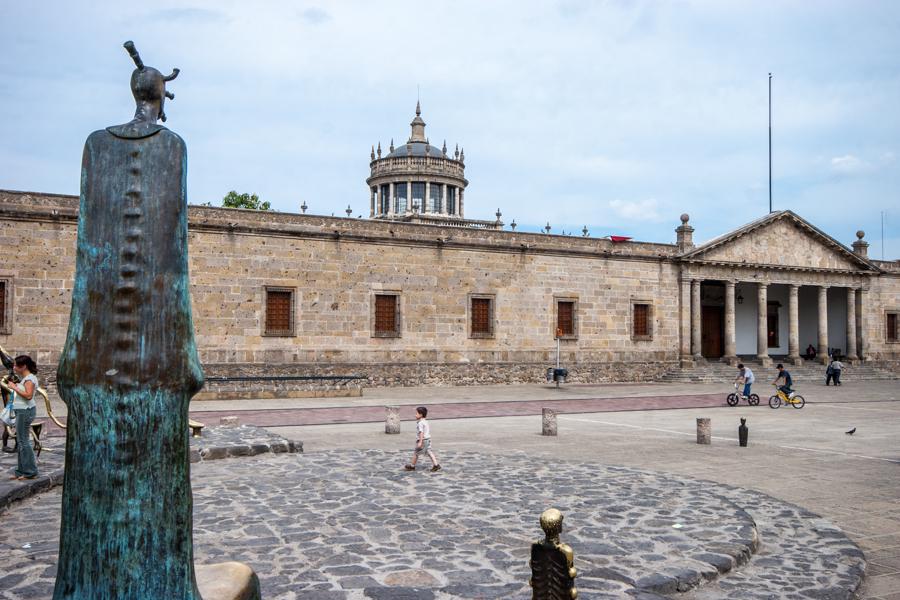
(427, 198)
(392, 200)
(696, 338)
(548, 418)
(730, 335)
(851, 325)
(685, 322)
(373, 194)
(794, 325)
(861, 334)
(823, 324)
(459, 201)
(704, 430)
(392, 419)
(409, 195)
(762, 324)
(444, 198)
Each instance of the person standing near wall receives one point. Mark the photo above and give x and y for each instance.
(25, 408)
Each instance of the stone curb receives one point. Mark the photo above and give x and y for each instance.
(233, 451)
(21, 490)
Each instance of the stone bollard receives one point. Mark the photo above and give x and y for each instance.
(229, 422)
(548, 416)
(743, 433)
(704, 430)
(392, 419)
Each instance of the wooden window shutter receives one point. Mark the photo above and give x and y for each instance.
(385, 313)
(565, 317)
(278, 312)
(892, 327)
(642, 320)
(481, 316)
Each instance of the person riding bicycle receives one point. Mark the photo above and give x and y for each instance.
(784, 376)
(745, 376)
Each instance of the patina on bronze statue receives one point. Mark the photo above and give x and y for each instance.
(129, 366)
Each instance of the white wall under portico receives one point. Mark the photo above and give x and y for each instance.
(746, 320)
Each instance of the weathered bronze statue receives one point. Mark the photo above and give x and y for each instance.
(130, 366)
(552, 562)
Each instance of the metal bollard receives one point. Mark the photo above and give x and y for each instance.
(392, 419)
(743, 433)
(704, 430)
(548, 418)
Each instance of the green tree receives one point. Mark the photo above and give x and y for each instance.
(234, 200)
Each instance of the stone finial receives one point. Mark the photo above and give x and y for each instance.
(456, 153)
(392, 145)
(462, 155)
(513, 225)
(498, 215)
(585, 232)
(379, 149)
(684, 234)
(349, 211)
(303, 207)
(444, 149)
(547, 227)
(372, 155)
(860, 246)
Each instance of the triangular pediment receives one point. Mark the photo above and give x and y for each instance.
(780, 240)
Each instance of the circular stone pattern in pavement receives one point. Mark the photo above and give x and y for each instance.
(354, 524)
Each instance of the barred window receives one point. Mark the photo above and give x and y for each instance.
(482, 319)
(386, 321)
(565, 318)
(641, 320)
(279, 312)
(892, 327)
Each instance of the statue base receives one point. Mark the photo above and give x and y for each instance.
(227, 581)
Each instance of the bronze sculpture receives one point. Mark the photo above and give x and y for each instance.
(552, 562)
(130, 366)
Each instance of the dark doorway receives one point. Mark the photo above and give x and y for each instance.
(772, 324)
(712, 333)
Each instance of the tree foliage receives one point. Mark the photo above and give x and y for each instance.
(234, 200)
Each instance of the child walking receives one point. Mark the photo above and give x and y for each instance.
(423, 441)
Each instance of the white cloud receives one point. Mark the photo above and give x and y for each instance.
(637, 210)
(849, 165)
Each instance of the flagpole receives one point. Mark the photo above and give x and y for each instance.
(770, 142)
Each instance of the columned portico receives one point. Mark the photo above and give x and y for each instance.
(851, 325)
(823, 324)
(862, 340)
(730, 334)
(794, 324)
(762, 324)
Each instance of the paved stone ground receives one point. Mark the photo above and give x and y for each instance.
(352, 524)
(218, 442)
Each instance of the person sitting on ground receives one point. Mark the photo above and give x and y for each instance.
(784, 377)
(810, 352)
(745, 376)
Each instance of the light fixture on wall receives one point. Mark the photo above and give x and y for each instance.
(740, 299)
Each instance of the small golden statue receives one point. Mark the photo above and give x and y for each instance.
(552, 571)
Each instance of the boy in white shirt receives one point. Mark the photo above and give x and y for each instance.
(423, 441)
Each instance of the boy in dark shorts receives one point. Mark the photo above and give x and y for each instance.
(423, 441)
(785, 377)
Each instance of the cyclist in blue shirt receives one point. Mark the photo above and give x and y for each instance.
(784, 376)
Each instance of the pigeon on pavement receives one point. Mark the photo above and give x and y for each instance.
(851, 432)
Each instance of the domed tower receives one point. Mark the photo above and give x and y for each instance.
(417, 181)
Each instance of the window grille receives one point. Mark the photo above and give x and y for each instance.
(565, 318)
(641, 320)
(481, 316)
(385, 314)
(278, 312)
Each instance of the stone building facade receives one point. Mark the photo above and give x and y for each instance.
(410, 303)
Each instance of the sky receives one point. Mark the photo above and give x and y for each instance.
(616, 115)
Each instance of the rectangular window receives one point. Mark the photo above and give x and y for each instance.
(386, 321)
(482, 317)
(641, 321)
(418, 196)
(892, 334)
(565, 318)
(385, 199)
(2, 306)
(434, 198)
(279, 311)
(451, 200)
(401, 192)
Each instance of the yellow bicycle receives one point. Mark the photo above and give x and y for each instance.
(795, 400)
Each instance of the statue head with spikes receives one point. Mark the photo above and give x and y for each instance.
(148, 86)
